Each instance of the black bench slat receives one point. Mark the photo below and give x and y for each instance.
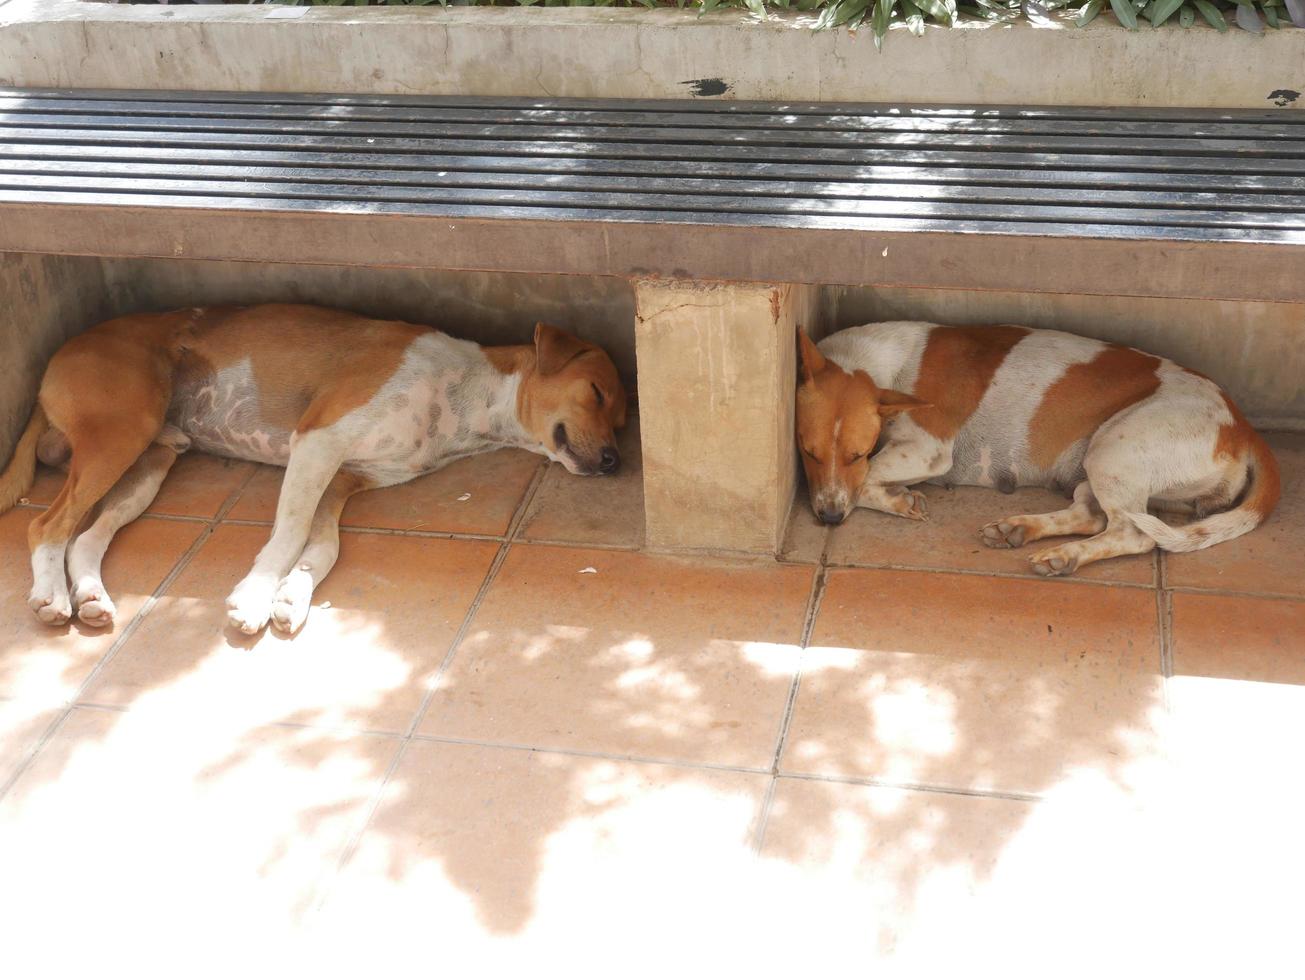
(926, 156)
(650, 205)
(710, 107)
(319, 183)
(145, 113)
(87, 127)
(384, 168)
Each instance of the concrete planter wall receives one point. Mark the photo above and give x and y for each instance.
(636, 54)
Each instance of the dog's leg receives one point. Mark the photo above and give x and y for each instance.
(1117, 492)
(295, 591)
(100, 457)
(1082, 517)
(122, 505)
(108, 396)
(899, 465)
(315, 457)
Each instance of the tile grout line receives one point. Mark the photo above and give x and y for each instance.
(387, 531)
(819, 578)
(500, 556)
(986, 794)
(592, 754)
(127, 632)
(1165, 614)
(354, 841)
(637, 759)
(1233, 594)
(1016, 576)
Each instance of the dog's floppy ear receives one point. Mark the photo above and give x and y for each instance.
(892, 402)
(554, 348)
(810, 360)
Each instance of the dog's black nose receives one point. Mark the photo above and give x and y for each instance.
(831, 517)
(609, 460)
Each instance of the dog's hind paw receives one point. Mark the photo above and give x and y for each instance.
(1002, 534)
(1053, 562)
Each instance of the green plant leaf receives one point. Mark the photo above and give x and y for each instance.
(1186, 17)
(934, 8)
(1089, 13)
(879, 21)
(850, 12)
(1211, 14)
(1162, 10)
(1271, 17)
(1125, 13)
(1249, 20)
(913, 16)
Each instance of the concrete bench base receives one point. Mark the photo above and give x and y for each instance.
(715, 365)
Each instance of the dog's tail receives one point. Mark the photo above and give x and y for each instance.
(1262, 493)
(21, 471)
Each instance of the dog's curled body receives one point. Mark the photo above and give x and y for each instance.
(1008, 406)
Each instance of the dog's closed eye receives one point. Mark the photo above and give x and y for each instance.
(598, 393)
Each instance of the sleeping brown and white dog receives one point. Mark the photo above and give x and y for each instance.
(884, 406)
(343, 402)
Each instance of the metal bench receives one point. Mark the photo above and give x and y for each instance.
(1147, 202)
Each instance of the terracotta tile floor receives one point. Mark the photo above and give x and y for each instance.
(509, 736)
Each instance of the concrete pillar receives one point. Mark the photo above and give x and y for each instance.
(716, 366)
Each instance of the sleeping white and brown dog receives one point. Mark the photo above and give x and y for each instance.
(884, 406)
(345, 403)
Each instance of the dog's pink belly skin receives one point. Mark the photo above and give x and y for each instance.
(221, 414)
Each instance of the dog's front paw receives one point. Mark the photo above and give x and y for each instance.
(94, 607)
(911, 504)
(1003, 534)
(53, 610)
(1054, 561)
(291, 602)
(250, 606)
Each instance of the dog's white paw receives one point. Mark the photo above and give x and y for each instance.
(1003, 534)
(1054, 561)
(910, 504)
(53, 610)
(94, 607)
(291, 603)
(249, 607)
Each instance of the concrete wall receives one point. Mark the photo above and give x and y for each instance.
(624, 53)
(44, 300)
(1255, 350)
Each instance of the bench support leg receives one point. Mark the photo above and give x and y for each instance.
(717, 369)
